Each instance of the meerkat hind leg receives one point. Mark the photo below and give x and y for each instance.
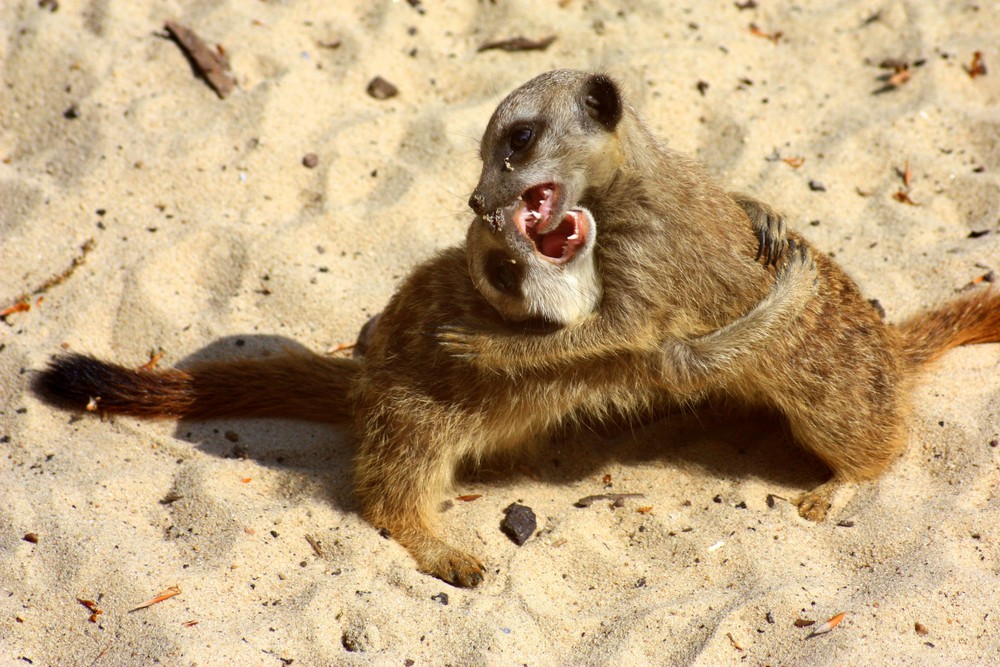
(858, 458)
(438, 558)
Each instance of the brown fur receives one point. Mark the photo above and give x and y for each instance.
(685, 310)
(673, 267)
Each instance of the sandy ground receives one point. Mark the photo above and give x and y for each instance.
(205, 233)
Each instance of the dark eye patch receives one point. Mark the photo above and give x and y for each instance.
(520, 137)
(503, 273)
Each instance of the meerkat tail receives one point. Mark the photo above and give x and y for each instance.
(966, 321)
(300, 386)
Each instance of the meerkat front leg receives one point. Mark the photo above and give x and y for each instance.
(690, 361)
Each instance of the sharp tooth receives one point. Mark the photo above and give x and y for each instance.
(573, 237)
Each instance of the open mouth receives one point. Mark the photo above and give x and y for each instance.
(555, 240)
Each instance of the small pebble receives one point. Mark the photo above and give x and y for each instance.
(381, 89)
(816, 186)
(310, 160)
(441, 597)
(519, 523)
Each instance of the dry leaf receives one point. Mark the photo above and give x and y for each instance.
(757, 32)
(153, 360)
(19, 307)
(901, 76)
(91, 606)
(212, 65)
(829, 625)
(519, 44)
(978, 67)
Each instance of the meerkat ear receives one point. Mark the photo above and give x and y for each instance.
(603, 101)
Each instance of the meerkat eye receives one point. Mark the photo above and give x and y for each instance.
(520, 137)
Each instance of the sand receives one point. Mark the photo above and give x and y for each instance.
(208, 238)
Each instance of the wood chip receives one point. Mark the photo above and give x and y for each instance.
(733, 642)
(31, 537)
(920, 629)
(164, 595)
(794, 162)
(210, 64)
(468, 498)
(518, 44)
(317, 549)
(587, 501)
(803, 623)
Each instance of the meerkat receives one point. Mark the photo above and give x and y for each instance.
(670, 263)
(418, 412)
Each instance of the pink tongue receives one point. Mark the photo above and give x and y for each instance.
(554, 243)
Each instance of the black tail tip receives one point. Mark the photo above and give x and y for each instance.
(71, 379)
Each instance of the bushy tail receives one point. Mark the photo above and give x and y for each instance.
(299, 386)
(966, 321)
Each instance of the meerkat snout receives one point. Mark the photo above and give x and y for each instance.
(477, 202)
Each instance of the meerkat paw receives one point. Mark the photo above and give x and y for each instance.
(458, 342)
(768, 224)
(800, 260)
(453, 566)
(814, 505)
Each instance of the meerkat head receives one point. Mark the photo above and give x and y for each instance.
(548, 279)
(549, 145)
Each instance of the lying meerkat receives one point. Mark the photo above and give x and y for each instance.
(671, 264)
(418, 412)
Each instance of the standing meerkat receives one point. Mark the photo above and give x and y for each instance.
(418, 412)
(670, 262)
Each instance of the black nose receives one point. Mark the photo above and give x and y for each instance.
(477, 202)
